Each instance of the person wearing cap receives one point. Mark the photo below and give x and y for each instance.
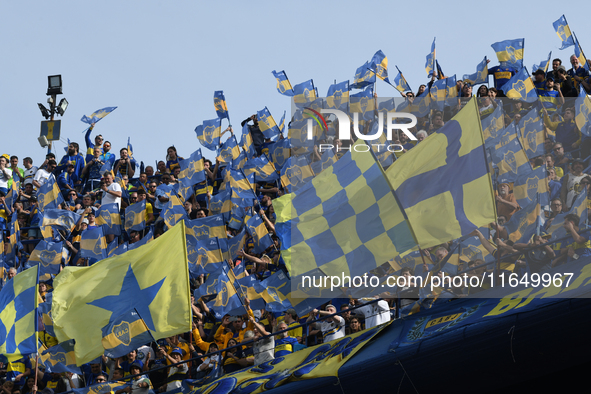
(539, 81)
(177, 373)
(549, 97)
(506, 202)
(565, 81)
(333, 327)
(139, 384)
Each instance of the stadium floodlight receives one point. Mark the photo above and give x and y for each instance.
(61, 107)
(54, 85)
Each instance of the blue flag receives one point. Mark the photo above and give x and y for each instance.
(219, 102)
(209, 133)
(481, 74)
(430, 61)
(563, 31)
(400, 82)
(364, 76)
(93, 244)
(97, 115)
(125, 333)
(510, 53)
(283, 84)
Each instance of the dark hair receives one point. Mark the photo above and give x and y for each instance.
(13, 157)
(76, 146)
(171, 147)
(573, 217)
(557, 60)
(28, 159)
(405, 269)
(51, 163)
(122, 149)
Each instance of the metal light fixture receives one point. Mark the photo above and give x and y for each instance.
(44, 111)
(54, 85)
(61, 107)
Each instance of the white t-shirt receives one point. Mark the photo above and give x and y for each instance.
(41, 176)
(30, 174)
(5, 177)
(376, 313)
(263, 350)
(143, 351)
(332, 330)
(109, 198)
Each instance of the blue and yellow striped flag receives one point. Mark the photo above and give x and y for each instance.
(462, 199)
(263, 169)
(258, 231)
(61, 358)
(510, 53)
(283, 84)
(267, 124)
(97, 115)
(583, 112)
(109, 218)
(493, 124)
(93, 244)
(430, 60)
(12, 195)
(64, 219)
(124, 334)
(219, 102)
(49, 195)
(364, 76)
(511, 161)
(192, 169)
(304, 93)
(246, 142)
(173, 213)
(279, 152)
(204, 256)
(543, 65)
(229, 150)
(328, 159)
(129, 148)
(135, 216)
(221, 204)
(227, 297)
(532, 133)
(451, 91)
(563, 31)
(438, 94)
(379, 63)
(18, 314)
(363, 103)
(400, 82)
(207, 227)
(347, 212)
(520, 86)
(48, 256)
(209, 133)
(337, 96)
(240, 185)
(296, 173)
(580, 55)
(528, 187)
(152, 279)
(525, 222)
(480, 76)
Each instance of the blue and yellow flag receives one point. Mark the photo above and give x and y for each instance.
(304, 93)
(563, 31)
(337, 96)
(525, 222)
(209, 133)
(124, 334)
(219, 102)
(173, 213)
(153, 279)
(239, 162)
(532, 133)
(430, 60)
(63, 219)
(279, 152)
(263, 169)
(205, 256)
(296, 173)
(579, 207)
(328, 159)
(135, 216)
(580, 55)
(379, 63)
(241, 186)
(246, 142)
(364, 76)
(267, 123)
(129, 148)
(221, 204)
(210, 286)
(18, 314)
(207, 227)
(528, 187)
(543, 65)
(12, 195)
(192, 169)
(48, 256)
(511, 161)
(510, 53)
(61, 358)
(49, 195)
(481, 74)
(520, 86)
(493, 124)
(109, 218)
(400, 82)
(364, 104)
(258, 231)
(438, 94)
(149, 237)
(227, 297)
(93, 244)
(277, 287)
(583, 112)
(97, 115)
(464, 200)
(347, 212)
(229, 150)
(283, 84)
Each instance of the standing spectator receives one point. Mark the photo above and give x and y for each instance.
(577, 72)
(172, 160)
(125, 165)
(18, 174)
(111, 190)
(73, 157)
(66, 181)
(333, 327)
(42, 175)
(506, 202)
(30, 170)
(92, 171)
(5, 176)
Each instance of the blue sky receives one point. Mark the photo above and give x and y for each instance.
(159, 62)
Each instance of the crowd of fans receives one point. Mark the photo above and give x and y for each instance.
(222, 346)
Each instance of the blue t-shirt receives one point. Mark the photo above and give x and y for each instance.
(285, 346)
